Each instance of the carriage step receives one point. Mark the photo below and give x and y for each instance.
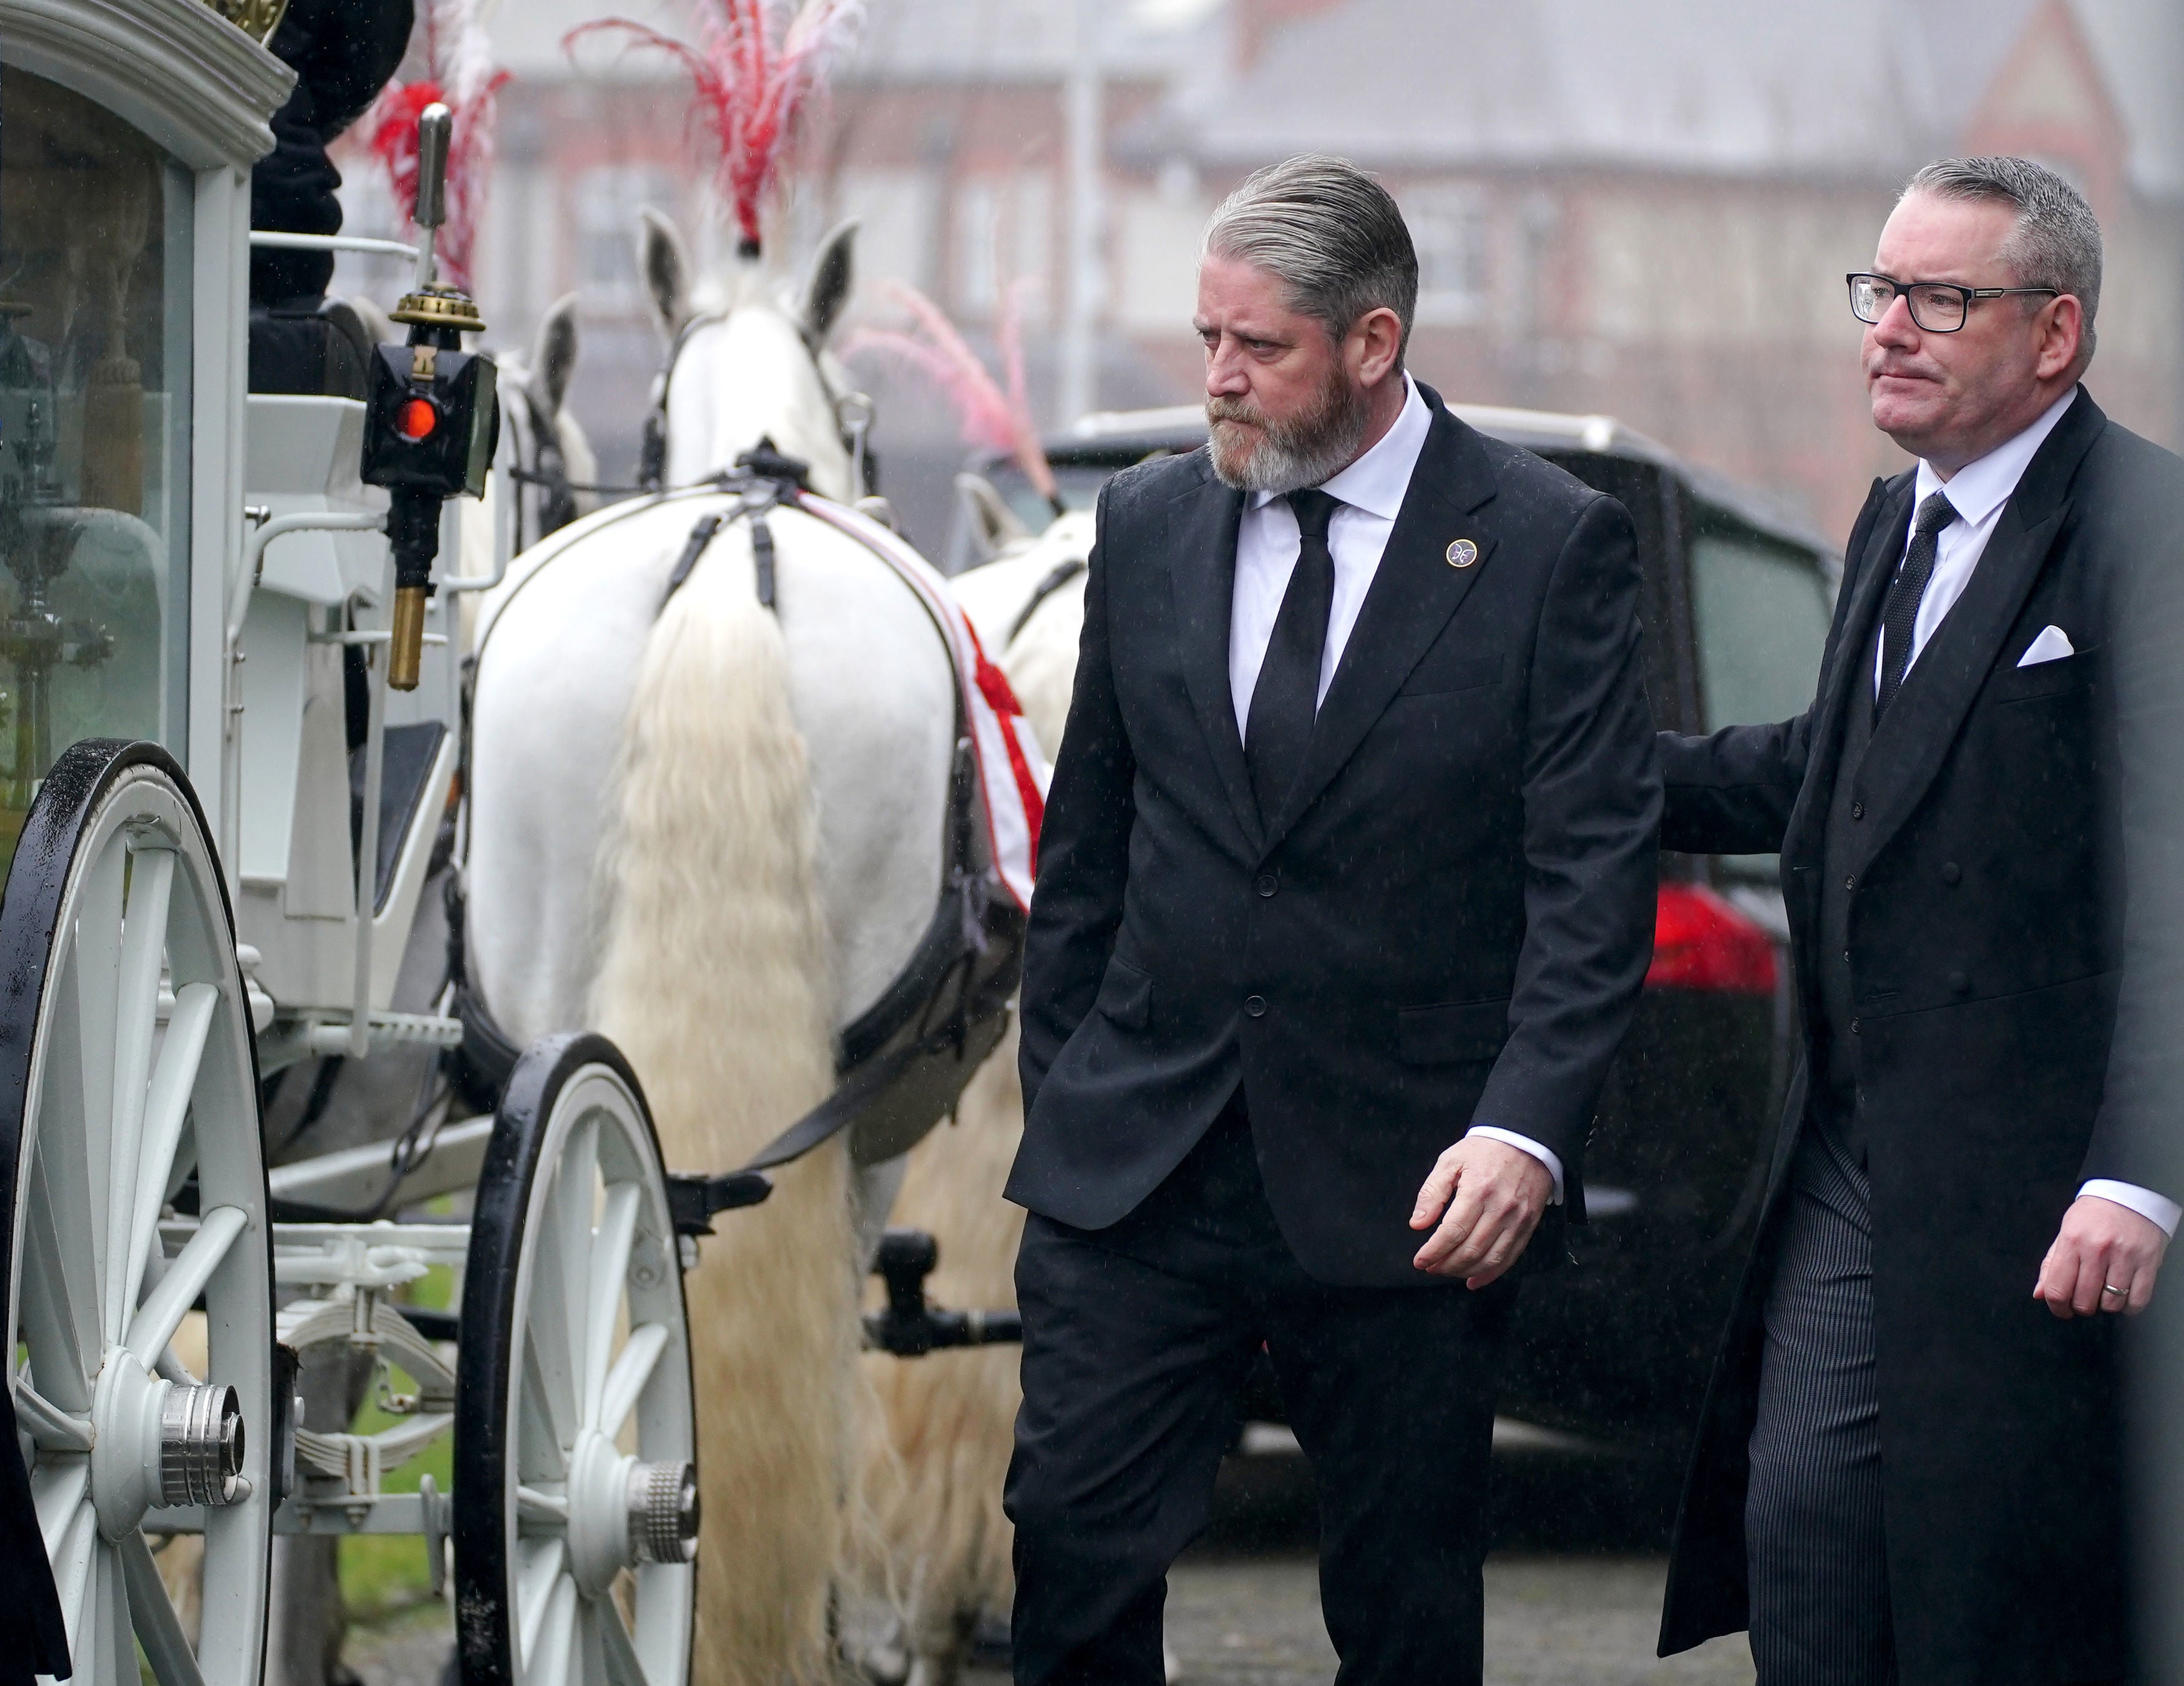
(910, 1328)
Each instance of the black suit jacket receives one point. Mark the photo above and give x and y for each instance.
(1451, 917)
(1988, 948)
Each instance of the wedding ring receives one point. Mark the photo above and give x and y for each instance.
(2110, 1287)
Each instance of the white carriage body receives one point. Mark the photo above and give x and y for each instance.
(293, 864)
(263, 737)
(190, 566)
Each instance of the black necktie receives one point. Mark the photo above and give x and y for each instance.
(1278, 724)
(1900, 615)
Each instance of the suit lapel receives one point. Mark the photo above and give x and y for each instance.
(1202, 549)
(1911, 741)
(1413, 593)
(1876, 566)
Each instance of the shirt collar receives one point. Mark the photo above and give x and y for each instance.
(1979, 488)
(1378, 481)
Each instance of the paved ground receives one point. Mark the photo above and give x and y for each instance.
(1572, 1591)
(1550, 1621)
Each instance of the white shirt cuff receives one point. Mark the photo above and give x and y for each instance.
(2153, 1207)
(1546, 1157)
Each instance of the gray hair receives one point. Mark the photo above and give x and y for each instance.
(1329, 233)
(2057, 241)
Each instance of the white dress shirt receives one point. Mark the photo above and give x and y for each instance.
(1977, 491)
(1371, 491)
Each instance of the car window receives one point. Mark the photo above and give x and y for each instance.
(1761, 607)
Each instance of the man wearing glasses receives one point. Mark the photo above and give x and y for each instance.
(1908, 1466)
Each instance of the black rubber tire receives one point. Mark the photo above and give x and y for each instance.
(487, 1370)
(69, 800)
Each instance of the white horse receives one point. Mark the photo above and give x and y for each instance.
(714, 829)
(557, 464)
(935, 1493)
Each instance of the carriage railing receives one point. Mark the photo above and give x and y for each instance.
(363, 1028)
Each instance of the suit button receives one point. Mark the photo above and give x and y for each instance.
(1850, 883)
(1265, 884)
(1846, 957)
(1951, 872)
(1959, 982)
(1854, 1026)
(1256, 1006)
(1858, 810)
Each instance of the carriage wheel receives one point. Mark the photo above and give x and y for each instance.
(575, 1441)
(118, 1101)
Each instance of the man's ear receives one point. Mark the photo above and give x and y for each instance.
(2065, 339)
(1376, 345)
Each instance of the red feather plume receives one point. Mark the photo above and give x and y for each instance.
(463, 77)
(756, 67)
(993, 416)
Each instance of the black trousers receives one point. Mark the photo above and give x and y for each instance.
(1816, 1547)
(1137, 1343)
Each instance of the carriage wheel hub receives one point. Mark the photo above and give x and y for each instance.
(156, 1442)
(623, 1512)
(200, 1445)
(663, 1512)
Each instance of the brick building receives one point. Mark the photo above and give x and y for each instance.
(1637, 207)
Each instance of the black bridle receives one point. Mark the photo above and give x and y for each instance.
(853, 418)
(852, 413)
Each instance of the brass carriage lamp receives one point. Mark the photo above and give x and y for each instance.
(432, 413)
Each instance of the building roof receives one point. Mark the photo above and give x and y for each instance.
(901, 41)
(1852, 88)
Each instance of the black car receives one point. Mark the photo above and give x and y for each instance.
(1737, 597)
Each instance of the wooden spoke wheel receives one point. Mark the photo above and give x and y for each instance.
(128, 1089)
(576, 1444)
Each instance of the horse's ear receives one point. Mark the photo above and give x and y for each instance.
(994, 524)
(664, 263)
(553, 354)
(833, 273)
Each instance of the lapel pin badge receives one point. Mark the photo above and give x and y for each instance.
(1463, 553)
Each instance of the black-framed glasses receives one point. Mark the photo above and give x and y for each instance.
(1938, 307)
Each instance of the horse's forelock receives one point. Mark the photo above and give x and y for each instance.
(749, 374)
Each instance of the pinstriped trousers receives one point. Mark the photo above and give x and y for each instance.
(1817, 1553)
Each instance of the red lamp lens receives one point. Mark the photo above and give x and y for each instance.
(418, 418)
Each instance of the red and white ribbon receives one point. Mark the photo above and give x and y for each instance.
(1012, 772)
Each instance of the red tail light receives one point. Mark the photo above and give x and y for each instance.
(1700, 942)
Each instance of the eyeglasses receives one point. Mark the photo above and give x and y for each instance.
(1938, 307)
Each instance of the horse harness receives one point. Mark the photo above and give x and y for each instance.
(902, 1064)
(852, 413)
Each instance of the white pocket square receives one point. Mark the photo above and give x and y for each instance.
(2052, 644)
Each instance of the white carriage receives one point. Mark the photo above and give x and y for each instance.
(210, 878)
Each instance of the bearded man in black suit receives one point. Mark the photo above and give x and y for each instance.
(1909, 1465)
(1345, 900)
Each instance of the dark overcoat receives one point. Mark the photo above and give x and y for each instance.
(1448, 920)
(1988, 949)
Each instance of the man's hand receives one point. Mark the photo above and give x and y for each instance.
(2104, 1259)
(1498, 1193)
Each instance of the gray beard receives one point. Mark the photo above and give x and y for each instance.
(1294, 454)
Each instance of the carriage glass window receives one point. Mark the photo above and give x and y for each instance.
(94, 434)
(1761, 607)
